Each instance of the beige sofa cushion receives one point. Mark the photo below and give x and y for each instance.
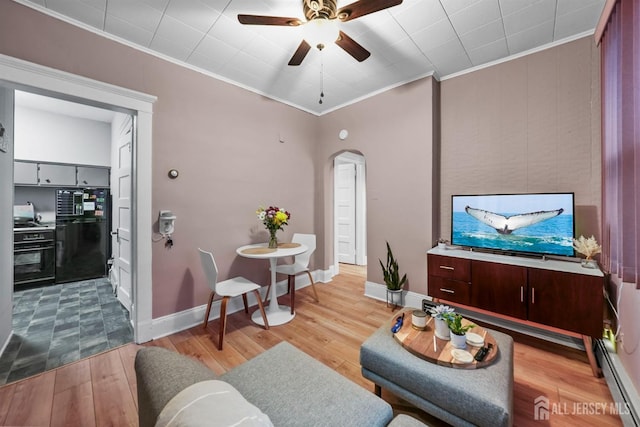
(211, 403)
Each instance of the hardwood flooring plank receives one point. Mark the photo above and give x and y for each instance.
(128, 356)
(112, 397)
(6, 396)
(73, 406)
(32, 401)
(195, 349)
(73, 396)
(72, 375)
(331, 331)
(163, 342)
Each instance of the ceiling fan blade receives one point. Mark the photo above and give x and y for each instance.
(300, 53)
(364, 7)
(268, 20)
(352, 47)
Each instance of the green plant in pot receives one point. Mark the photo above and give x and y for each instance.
(458, 330)
(391, 272)
(392, 278)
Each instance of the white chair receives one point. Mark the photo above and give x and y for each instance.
(227, 289)
(300, 265)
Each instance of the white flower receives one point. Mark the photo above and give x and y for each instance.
(439, 311)
(587, 247)
(262, 215)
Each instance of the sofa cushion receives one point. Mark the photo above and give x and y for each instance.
(161, 374)
(294, 389)
(211, 403)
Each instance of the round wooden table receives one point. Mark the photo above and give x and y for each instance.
(426, 345)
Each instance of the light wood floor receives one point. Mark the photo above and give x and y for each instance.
(101, 390)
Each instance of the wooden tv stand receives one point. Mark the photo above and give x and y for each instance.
(561, 296)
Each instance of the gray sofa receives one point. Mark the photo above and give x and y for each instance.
(289, 386)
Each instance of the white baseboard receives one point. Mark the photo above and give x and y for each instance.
(379, 292)
(622, 389)
(176, 322)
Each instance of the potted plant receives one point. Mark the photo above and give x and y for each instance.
(392, 278)
(442, 243)
(439, 313)
(458, 330)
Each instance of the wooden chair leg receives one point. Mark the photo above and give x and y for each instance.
(266, 296)
(206, 314)
(313, 285)
(264, 315)
(292, 289)
(223, 320)
(246, 305)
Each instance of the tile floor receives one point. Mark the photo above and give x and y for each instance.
(58, 324)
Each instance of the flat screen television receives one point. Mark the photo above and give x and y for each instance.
(523, 223)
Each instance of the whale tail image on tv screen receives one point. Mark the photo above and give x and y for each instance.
(507, 224)
(531, 223)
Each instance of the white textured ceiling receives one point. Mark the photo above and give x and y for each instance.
(409, 41)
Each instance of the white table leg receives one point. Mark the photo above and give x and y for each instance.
(276, 314)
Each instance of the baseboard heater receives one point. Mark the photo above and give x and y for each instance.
(620, 385)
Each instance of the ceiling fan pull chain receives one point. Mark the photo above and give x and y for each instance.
(321, 78)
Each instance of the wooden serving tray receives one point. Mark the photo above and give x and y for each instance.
(421, 344)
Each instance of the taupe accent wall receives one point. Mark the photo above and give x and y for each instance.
(527, 125)
(396, 134)
(224, 140)
(531, 124)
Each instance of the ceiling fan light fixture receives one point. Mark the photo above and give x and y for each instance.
(321, 32)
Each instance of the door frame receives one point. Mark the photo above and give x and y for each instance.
(21, 74)
(361, 207)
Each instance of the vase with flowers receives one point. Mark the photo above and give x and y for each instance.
(439, 313)
(589, 248)
(274, 219)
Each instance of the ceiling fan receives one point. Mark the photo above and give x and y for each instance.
(321, 21)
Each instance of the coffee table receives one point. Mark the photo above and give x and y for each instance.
(460, 397)
(426, 345)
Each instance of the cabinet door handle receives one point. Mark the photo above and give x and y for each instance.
(449, 291)
(521, 293)
(446, 267)
(533, 295)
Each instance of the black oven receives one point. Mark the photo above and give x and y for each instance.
(33, 256)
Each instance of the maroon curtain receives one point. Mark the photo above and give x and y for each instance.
(621, 141)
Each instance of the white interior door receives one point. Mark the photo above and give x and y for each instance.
(346, 212)
(6, 213)
(123, 134)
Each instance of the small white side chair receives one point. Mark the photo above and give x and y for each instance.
(227, 289)
(300, 265)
